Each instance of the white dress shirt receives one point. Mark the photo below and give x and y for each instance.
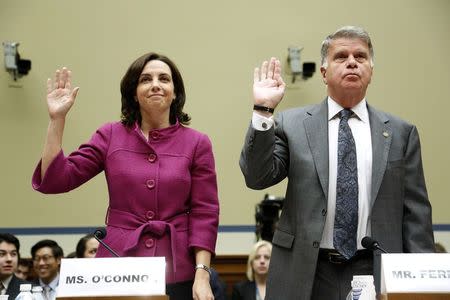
(49, 290)
(5, 282)
(261, 123)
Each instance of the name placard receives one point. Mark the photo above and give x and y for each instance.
(415, 272)
(117, 276)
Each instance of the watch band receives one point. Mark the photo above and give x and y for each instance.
(204, 267)
(263, 108)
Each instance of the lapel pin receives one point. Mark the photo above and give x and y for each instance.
(385, 134)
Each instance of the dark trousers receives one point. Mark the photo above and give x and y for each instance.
(333, 279)
(180, 290)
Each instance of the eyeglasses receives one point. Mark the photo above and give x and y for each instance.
(45, 258)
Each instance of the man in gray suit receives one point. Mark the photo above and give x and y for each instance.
(389, 193)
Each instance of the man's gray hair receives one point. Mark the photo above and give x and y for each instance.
(352, 32)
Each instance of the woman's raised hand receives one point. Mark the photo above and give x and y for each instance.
(268, 86)
(60, 95)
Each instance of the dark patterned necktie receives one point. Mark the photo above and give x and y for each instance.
(346, 218)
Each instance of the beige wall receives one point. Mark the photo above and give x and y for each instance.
(216, 45)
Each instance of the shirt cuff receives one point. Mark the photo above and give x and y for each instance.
(261, 123)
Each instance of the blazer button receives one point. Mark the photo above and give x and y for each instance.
(154, 135)
(316, 244)
(149, 243)
(324, 212)
(150, 215)
(152, 157)
(151, 184)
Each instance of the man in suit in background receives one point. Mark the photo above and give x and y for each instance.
(352, 170)
(9, 257)
(46, 255)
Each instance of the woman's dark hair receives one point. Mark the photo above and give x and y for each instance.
(81, 245)
(129, 83)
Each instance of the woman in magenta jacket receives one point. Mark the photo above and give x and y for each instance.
(160, 174)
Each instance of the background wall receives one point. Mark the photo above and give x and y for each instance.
(216, 45)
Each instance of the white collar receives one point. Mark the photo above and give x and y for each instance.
(360, 109)
(53, 284)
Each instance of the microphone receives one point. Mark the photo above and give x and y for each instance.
(99, 235)
(371, 244)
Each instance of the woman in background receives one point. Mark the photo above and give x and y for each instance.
(87, 246)
(257, 268)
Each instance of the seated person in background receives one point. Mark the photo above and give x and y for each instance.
(46, 255)
(9, 257)
(257, 268)
(218, 287)
(24, 268)
(440, 248)
(87, 247)
(72, 254)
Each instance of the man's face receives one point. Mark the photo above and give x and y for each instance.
(349, 66)
(46, 265)
(22, 272)
(8, 259)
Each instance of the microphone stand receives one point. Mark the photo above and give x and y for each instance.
(105, 245)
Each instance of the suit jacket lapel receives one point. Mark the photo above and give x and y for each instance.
(13, 287)
(381, 142)
(316, 127)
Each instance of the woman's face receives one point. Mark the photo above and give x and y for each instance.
(91, 248)
(155, 90)
(261, 261)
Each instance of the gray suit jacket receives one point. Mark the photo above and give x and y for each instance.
(297, 148)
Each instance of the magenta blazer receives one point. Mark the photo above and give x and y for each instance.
(162, 192)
